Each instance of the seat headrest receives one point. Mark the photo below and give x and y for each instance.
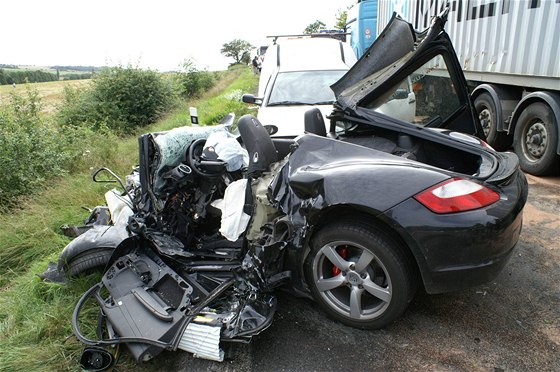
(258, 143)
(314, 122)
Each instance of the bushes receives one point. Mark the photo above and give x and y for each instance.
(193, 82)
(31, 149)
(120, 99)
(131, 97)
(35, 149)
(83, 133)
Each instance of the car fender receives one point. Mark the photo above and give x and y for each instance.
(99, 236)
(504, 100)
(376, 187)
(313, 187)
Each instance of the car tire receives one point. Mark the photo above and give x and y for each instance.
(488, 117)
(89, 261)
(369, 284)
(535, 140)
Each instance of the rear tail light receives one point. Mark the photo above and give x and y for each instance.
(457, 195)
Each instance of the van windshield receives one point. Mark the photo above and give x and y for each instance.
(304, 88)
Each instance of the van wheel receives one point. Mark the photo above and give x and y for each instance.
(536, 139)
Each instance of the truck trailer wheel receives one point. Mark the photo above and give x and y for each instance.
(535, 140)
(487, 114)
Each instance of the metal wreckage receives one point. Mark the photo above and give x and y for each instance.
(186, 265)
(211, 222)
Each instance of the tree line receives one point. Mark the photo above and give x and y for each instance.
(37, 76)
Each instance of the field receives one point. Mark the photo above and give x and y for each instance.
(51, 92)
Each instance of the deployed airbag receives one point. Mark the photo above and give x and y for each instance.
(234, 219)
(228, 150)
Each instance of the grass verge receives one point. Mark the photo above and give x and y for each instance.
(35, 317)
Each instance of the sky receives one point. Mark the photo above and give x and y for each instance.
(150, 34)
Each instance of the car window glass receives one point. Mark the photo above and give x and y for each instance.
(341, 127)
(304, 87)
(423, 97)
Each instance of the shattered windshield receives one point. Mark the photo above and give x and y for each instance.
(304, 88)
(172, 147)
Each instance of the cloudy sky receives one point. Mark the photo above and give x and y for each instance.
(151, 34)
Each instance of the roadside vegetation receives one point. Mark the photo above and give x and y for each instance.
(47, 178)
(119, 99)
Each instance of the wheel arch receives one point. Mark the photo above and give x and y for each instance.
(551, 99)
(99, 237)
(500, 95)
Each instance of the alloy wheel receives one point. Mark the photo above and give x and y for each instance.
(356, 286)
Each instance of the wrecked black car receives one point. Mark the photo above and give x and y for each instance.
(357, 216)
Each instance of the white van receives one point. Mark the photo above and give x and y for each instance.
(296, 76)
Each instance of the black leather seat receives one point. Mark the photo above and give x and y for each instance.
(314, 122)
(258, 143)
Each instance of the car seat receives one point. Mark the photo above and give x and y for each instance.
(314, 122)
(259, 145)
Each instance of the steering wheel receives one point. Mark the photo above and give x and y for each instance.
(201, 166)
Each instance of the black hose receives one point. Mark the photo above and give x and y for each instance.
(211, 297)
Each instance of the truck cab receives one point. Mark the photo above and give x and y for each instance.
(362, 25)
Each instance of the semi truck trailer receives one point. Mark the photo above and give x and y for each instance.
(510, 54)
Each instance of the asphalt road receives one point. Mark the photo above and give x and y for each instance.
(510, 324)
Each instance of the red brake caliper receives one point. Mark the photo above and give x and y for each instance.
(342, 252)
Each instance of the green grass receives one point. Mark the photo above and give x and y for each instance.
(35, 317)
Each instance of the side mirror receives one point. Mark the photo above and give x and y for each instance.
(400, 93)
(411, 97)
(271, 129)
(250, 98)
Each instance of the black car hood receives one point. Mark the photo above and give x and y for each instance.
(394, 49)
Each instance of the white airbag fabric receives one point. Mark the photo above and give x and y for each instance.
(228, 150)
(119, 208)
(234, 220)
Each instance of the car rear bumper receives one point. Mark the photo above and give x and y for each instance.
(461, 250)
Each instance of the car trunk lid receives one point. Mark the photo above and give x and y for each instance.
(402, 58)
